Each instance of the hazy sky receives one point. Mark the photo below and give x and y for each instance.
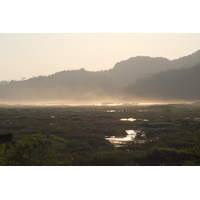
(33, 54)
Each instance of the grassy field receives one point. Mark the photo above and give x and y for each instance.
(75, 135)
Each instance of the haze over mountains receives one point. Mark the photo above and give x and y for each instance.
(137, 78)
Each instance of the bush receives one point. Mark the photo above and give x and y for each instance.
(167, 156)
(33, 151)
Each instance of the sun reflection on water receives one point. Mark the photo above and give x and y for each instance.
(129, 119)
(118, 141)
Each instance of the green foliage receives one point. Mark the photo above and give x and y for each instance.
(167, 156)
(76, 135)
(156, 124)
(2, 148)
(197, 134)
(35, 150)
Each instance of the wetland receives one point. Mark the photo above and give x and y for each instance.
(101, 134)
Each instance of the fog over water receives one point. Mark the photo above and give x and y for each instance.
(112, 104)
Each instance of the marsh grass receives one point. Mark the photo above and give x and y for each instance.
(76, 135)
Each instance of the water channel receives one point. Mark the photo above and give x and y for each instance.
(130, 137)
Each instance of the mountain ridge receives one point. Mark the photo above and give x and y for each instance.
(82, 85)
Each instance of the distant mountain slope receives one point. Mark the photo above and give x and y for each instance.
(186, 61)
(3, 82)
(174, 84)
(128, 71)
(76, 85)
(81, 85)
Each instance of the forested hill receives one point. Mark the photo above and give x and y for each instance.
(128, 71)
(73, 86)
(186, 61)
(175, 84)
(81, 85)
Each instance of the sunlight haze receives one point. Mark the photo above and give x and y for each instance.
(24, 55)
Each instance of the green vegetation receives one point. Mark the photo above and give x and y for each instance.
(75, 136)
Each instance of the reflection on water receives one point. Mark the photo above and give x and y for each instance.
(131, 136)
(108, 104)
(196, 118)
(149, 104)
(129, 119)
(132, 119)
(131, 132)
(144, 120)
(115, 111)
(111, 111)
(142, 110)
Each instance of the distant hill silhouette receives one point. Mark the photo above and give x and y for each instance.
(174, 84)
(186, 61)
(72, 86)
(140, 76)
(128, 71)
